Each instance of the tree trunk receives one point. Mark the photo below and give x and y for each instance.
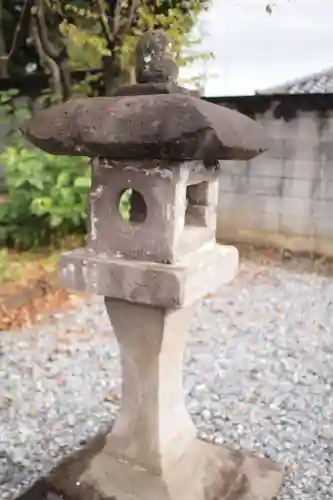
(3, 51)
(112, 75)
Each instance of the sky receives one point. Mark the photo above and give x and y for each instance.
(254, 50)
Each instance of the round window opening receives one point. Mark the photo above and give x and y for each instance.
(132, 207)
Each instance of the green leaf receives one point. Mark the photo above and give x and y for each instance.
(56, 220)
(41, 205)
(63, 179)
(82, 182)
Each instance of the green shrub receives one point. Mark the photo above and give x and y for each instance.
(47, 197)
(47, 194)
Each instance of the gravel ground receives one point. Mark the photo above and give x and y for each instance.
(258, 375)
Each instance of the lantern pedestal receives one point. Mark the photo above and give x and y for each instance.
(152, 452)
(202, 472)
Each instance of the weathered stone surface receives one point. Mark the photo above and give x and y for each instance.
(174, 212)
(155, 58)
(168, 126)
(153, 426)
(203, 472)
(154, 88)
(160, 285)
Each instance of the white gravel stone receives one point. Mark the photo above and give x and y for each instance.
(258, 375)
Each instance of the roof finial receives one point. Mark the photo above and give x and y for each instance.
(155, 59)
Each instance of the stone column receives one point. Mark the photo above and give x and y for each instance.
(153, 426)
(163, 144)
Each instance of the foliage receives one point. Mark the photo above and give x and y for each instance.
(13, 113)
(270, 7)
(114, 41)
(47, 194)
(163, 14)
(47, 197)
(58, 36)
(125, 204)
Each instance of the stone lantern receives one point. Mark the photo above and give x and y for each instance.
(159, 145)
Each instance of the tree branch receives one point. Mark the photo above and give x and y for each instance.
(104, 20)
(3, 49)
(46, 60)
(55, 59)
(114, 28)
(132, 7)
(115, 20)
(65, 80)
(22, 27)
(48, 48)
(125, 26)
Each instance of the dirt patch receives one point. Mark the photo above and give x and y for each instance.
(305, 262)
(3, 198)
(33, 292)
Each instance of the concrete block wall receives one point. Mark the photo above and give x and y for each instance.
(284, 197)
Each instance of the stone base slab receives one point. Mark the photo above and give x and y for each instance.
(161, 285)
(204, 472)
